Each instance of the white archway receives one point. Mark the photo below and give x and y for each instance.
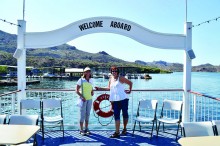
(124, 27)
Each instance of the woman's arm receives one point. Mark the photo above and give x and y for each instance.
(105, 88)
(77, 92)
(128, 82)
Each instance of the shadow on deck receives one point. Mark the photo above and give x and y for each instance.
(101, 138)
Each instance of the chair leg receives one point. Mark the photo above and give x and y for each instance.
(63, 128)
(177, 131)
(140, 125)
(35, 140)
(60, 125)
(158, 128)
(43, 130)
(41, 126)
(163, 127)
(181, 131)
(134, 128)
(152, 130)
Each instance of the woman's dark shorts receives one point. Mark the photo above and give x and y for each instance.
(118, 106)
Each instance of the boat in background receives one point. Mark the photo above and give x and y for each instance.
(48, 75)
(147, 77)
(13, 82)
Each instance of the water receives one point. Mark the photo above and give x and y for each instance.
(206, 83)
(203, 82)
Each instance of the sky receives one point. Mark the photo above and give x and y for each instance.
(164, 16)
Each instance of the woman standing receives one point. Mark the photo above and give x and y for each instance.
(118, 95)
(85, 84)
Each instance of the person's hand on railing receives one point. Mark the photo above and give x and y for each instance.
(97, 88)
(127, 91)
(101, 89)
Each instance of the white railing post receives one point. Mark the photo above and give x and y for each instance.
(0, 105)
(13, 103)
(132, 108)
(194, 108)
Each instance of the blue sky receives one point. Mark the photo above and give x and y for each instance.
(166, 16)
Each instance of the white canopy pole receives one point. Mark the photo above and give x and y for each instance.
(188, 55)
(21, 60)
(23, 9)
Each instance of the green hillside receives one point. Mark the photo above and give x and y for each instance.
(63, 55)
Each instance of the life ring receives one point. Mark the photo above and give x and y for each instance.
(97, 108)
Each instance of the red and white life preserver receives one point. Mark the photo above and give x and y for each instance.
(97, 109)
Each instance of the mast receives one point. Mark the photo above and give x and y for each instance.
(23, 8)
(186, 10)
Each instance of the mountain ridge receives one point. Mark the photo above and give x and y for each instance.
(73, 57)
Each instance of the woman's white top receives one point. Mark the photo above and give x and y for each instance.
(117, 90)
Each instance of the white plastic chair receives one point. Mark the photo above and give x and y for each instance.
(149, 106)
(24, 120)
(194, 129)
(33, 105)
(170, 108)
(55, 105)
(216, 124)
(3, 119)
(30, 104)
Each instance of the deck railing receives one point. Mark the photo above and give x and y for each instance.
(8, 102)
(202, 107)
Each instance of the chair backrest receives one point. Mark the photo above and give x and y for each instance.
(147, 108)
(23, 120)
(193, 129)
(216, 124)
(29, 104)
(3, 119)
(170, 109)
(148, 104)
(51, 104)
(172, 105)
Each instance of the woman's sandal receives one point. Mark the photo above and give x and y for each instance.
(124, 132)
(115, 135)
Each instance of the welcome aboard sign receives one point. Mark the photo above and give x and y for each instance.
(104, 25)
(113, 24)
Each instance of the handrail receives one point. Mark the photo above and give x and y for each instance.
(105, 90)
(10, 93)
(200, 94)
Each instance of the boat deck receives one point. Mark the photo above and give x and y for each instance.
(101, 138)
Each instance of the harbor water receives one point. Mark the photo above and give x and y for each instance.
(203, 82)
(206, 83)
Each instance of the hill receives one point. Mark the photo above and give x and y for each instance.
(70, 56)
(178, 67)
(63, 55)
(174, 67)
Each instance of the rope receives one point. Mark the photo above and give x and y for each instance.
(105, 124)
(10, 22)
(97, 116)
(208, 21)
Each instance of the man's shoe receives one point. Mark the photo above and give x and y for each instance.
(82, 133)
(124, 132)
(87, 131)
(115, 135)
